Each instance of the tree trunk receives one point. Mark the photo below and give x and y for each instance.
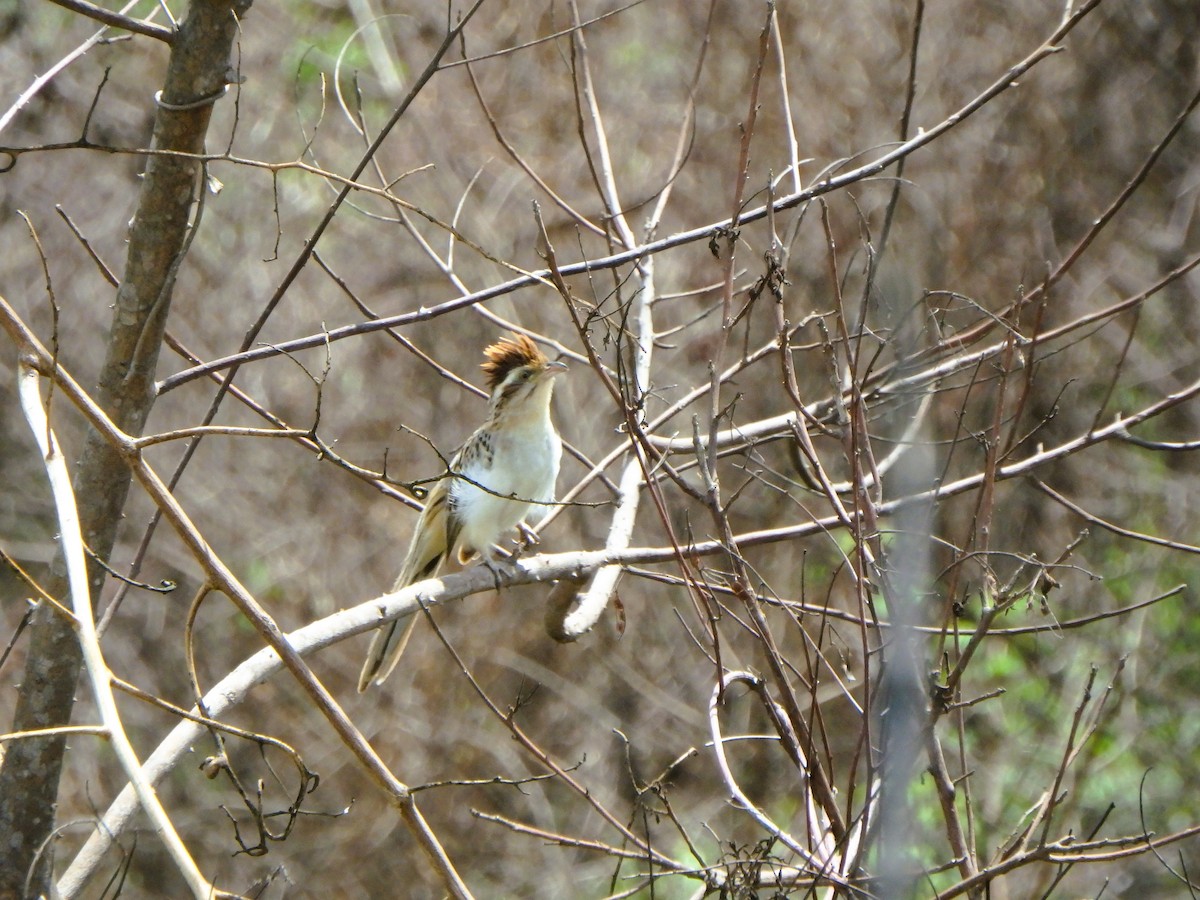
(197, 73)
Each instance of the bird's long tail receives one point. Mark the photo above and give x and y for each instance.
(431, 544)
(386, 650)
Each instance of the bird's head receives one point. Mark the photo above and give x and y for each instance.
(518, 373)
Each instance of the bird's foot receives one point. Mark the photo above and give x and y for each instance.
(496, 567)
(529, 537)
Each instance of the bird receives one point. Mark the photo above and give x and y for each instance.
(502, 471)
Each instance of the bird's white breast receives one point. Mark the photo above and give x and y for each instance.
(524, 465)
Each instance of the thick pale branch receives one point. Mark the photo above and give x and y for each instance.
(219, 575)
(233, 688)
(81, 601)
(197, 73)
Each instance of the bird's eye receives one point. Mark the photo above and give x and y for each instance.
(526, 374)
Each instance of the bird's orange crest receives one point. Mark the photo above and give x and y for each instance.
(507, 354)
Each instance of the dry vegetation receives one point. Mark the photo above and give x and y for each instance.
(886, 349)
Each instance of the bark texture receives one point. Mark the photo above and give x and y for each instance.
(198, 71)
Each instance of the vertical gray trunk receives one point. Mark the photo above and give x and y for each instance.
(197, 69)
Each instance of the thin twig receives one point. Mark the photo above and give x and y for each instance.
(117, 20)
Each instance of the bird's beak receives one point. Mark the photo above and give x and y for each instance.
(555, 368)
